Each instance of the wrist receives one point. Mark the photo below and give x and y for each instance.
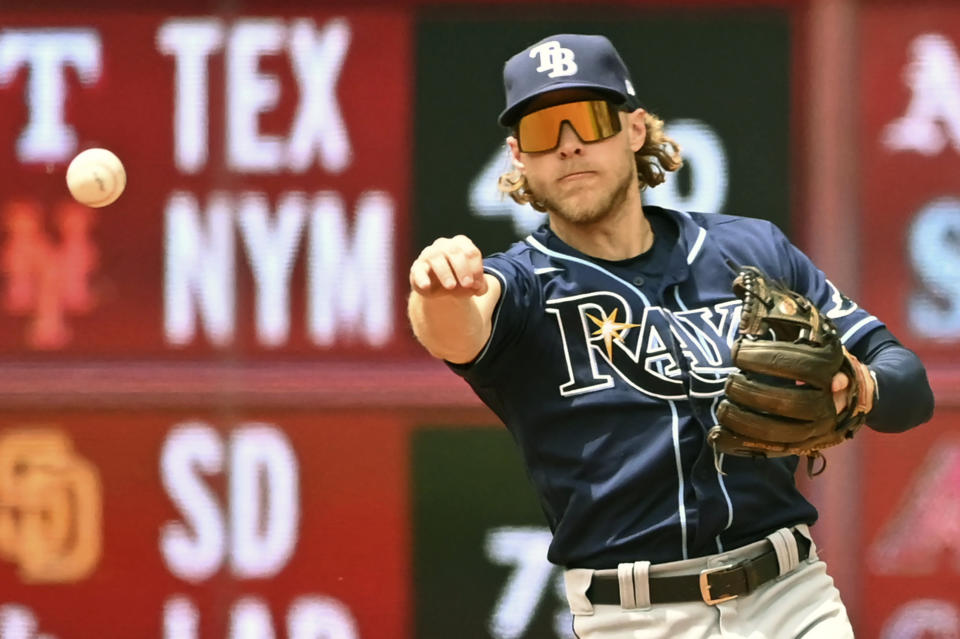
(875, 395)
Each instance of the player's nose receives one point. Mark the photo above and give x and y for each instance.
(570, 143)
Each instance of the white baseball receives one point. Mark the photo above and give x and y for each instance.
(96, 177)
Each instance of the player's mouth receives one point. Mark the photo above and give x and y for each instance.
(576, 175)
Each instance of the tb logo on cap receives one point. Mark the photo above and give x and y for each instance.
(554, 58)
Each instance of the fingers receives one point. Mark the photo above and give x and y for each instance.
(420, 276)
(465, 264)
(840, 381)
(838, 386)
(481, 286)
(865, 384)
(449, 266)
(441, 268)
(865, 381)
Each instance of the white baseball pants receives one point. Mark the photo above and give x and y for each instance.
(802, 603)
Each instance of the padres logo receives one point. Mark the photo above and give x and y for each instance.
(50, 507)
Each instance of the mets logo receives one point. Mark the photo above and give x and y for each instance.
(47, 278)
(555, 59)
(50, 507)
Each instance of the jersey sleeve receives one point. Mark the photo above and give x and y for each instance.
(852, 321)
(519, 295)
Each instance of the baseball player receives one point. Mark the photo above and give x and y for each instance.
(603, 341)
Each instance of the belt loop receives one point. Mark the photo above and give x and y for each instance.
(577, 582)
(785, 545)
(628, 596)
(804, 531)
(641, 584)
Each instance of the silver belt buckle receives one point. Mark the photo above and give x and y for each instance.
(705, 586)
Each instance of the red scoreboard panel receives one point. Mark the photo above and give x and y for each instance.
(910, 541)
(267, 159)
(910, 158)
(199, 524)
(189, 461)
(910, 276)
(212, 446)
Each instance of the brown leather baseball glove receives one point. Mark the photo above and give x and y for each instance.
(781, 402)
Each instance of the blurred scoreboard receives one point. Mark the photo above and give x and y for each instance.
(266, 210)
(910, 132)
(217, 422)
(203, 524)
(910, 276)
(274, 163)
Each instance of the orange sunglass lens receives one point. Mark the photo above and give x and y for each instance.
(592, 120)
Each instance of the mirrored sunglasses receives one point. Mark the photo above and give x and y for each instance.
(593, 120)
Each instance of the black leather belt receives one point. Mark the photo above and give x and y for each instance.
(712, 585)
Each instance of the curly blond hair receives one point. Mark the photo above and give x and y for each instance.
(659, 153)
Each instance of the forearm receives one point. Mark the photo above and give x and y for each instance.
(453, 328)
(904, 398)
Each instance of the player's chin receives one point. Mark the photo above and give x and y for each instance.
(585, 210)
(588, 198)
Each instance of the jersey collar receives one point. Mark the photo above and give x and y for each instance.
(690, 241)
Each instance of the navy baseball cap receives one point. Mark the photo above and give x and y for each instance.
(565, 61)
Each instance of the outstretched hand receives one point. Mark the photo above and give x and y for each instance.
(449, 266)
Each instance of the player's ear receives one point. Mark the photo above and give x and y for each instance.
(514, 150)
(636, 128)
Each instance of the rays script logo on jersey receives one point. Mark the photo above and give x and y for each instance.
(555, 59)
(601, 336)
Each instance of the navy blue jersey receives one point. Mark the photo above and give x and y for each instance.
(608, 374)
